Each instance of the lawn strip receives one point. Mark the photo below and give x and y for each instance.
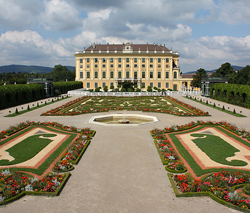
(34, 108)
(218, 108)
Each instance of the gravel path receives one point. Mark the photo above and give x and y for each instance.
(121, 170)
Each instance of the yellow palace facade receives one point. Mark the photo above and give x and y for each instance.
(143, 64)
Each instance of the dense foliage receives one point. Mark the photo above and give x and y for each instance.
(196, 82)
(64, 87)
(231, 93)
(13, 95)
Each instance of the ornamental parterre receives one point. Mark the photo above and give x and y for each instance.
(166, 105)
(224, 186)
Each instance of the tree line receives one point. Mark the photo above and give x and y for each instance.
(226, 70)
(59, 73)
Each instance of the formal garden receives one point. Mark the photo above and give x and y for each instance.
(160, 104)
(207, 159)
(36, 157)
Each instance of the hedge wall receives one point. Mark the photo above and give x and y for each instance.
(16, 94)
(64, 87)
(236, 94)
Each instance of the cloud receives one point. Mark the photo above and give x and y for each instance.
(28, 47)
(59, 15)
(234, 11)
(18, 15)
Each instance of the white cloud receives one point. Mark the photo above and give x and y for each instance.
(59, 15)
(28, 46)
(16, 14)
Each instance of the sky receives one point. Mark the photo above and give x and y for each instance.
(206, 33)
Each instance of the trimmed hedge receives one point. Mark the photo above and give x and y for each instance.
(16, 94)
(231, 93)
(64, 87)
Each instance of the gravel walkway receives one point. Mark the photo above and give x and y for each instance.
(121, 170)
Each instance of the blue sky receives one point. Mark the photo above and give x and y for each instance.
(207, 33)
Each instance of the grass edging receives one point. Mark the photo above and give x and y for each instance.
(33, 108)
(218, 108)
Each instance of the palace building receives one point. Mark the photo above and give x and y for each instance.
(143, 64)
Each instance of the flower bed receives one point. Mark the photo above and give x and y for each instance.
(220, 186)
(18, 184)
(146, 104)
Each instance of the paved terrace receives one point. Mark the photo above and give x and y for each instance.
(121, 170)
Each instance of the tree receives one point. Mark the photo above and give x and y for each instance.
(105, 88)
(196, 82)
(149, 89)
(128, 85)
(223, 71)
(61, 73)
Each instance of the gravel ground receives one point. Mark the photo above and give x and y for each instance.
(121, 170)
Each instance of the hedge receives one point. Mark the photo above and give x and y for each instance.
(64, 87)
(16, 94)
(231, 93)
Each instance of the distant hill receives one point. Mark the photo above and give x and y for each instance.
(29, 69)
(211, 71)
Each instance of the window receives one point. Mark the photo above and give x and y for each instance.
(143, 75)
(119, 74)
(103, 74)
(96, 65)
(87, 60)
(143, 60)
(96, 84)
(104, 65)
(112, 74)
(143, 84)
(81, 66)
(159, 60)
(103, 84)
(81, 74)
(119, 65)
(135, 60)
(151, 75)
(81, 60)
(167, 85)
(127, 60)
(103, 60)
(111, 84)
(151, 84)
(175, 87)
(151, 65)
(151, 60)
(167, 74)
(88, 66)
(159, 65)
(159, 74)
(88, 74)
(135, 74)
(96, 74)
(167, 60)
(175, 74)
(88, 85)
(111, 65)
(111, 60)
(127, 65)
(127, 74)
(135, 65)
(143, 65)
(159, 84)
(119, 60)
(96, 60)
(167, 65)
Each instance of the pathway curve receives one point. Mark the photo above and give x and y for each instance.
(120, 172)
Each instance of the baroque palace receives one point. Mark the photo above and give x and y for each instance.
(143, 64)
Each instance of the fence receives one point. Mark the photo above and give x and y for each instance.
(81, 92)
